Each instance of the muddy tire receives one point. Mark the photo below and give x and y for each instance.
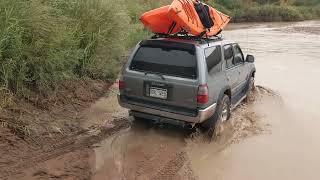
(215, 124)
(250, 90)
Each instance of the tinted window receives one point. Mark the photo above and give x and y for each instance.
(228, 55)
(166, 61)
(238, 56)
(213, 56)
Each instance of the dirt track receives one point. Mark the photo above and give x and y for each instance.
(119, 148)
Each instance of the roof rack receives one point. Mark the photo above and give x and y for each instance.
(183, 35)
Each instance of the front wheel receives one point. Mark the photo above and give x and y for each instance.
(250, 90)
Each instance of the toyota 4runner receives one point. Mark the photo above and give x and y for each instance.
(185, 81)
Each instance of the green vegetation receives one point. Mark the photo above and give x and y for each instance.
(46, 42)
(268, 10)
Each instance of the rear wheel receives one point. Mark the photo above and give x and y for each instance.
(215, 125)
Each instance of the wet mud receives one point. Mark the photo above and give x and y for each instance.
(165, 152)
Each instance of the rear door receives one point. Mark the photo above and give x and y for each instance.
(240, 63)
(163, 76)
(232, 71)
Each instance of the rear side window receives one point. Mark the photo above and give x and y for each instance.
(213, 56)
(228, 55)
(165, 61)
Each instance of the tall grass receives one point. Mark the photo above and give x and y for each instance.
(135, 8)
(45, 42)
(272, 10)
(273, 13)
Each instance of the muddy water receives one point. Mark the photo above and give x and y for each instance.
(288, 61)
(273, 138)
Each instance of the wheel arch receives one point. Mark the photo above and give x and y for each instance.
(252, 73)
(225, 91)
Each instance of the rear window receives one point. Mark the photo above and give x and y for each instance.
(165, 61)
(228, 55)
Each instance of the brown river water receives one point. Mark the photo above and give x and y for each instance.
(275, 137)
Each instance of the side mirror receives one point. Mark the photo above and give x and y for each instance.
(250, 58)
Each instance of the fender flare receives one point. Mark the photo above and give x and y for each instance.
(253, 71)
(211, 120)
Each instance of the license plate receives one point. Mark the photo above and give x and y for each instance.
(158, 93)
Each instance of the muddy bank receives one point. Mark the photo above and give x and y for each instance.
(310, 27)
(35, 124)
(64, 158)
(35, 115)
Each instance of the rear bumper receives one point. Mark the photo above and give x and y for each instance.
(202, 115)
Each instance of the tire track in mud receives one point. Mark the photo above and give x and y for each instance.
(171, 168)
(177, 168)
(78, 141)
(146, 153)
(145, 164)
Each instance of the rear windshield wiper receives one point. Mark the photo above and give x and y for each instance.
(160, 75)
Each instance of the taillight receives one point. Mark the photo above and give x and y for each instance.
(121, 84)
(203, 94)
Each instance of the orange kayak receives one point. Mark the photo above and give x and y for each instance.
(220, 19)
(182, 15)
(158, 21)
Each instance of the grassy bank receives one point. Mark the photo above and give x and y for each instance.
(45, 42)
(51, 50)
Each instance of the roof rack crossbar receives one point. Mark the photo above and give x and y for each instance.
(186, 36)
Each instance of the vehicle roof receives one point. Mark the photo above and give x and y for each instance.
(203, 43)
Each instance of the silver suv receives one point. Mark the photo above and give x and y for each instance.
(186, 81)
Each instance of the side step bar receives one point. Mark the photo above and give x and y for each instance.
(237, 104)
